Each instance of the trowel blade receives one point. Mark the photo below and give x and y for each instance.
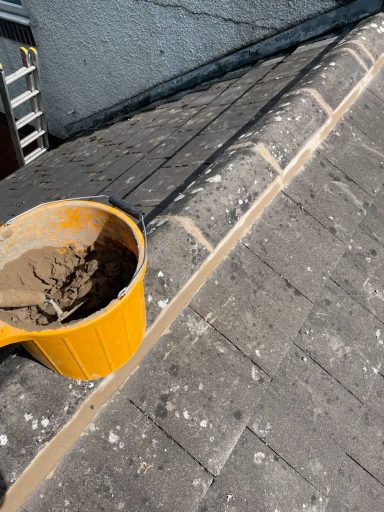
(65, 314)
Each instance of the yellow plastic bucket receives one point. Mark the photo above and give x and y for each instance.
(100, 344)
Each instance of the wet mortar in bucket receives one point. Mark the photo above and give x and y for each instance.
(92, 274)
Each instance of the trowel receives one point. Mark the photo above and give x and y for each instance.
(25, 298)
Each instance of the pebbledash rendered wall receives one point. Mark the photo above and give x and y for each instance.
(96, 55)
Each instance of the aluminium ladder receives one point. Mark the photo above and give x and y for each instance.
(36, 118)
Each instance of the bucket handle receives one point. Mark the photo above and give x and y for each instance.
(114, 201)
(139, 215)
(129, 208)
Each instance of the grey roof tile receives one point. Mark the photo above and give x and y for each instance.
(296, 246)
(124, 461)
(295, 437)
(318, 396)
(253, 307)
(356, 156)
(198, 388)
(341, 336)
(256, 478)
(330, 197)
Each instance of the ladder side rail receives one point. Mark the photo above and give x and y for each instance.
(36, 77)
(4, 93)
(31, 85)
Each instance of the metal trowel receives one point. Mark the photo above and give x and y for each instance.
(26, 298)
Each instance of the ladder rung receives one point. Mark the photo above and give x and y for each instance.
(28, 119)
(27, 95)
(31, 137)
(35, 154)
(19, 74)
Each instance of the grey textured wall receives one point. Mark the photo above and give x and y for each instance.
(95, 54)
